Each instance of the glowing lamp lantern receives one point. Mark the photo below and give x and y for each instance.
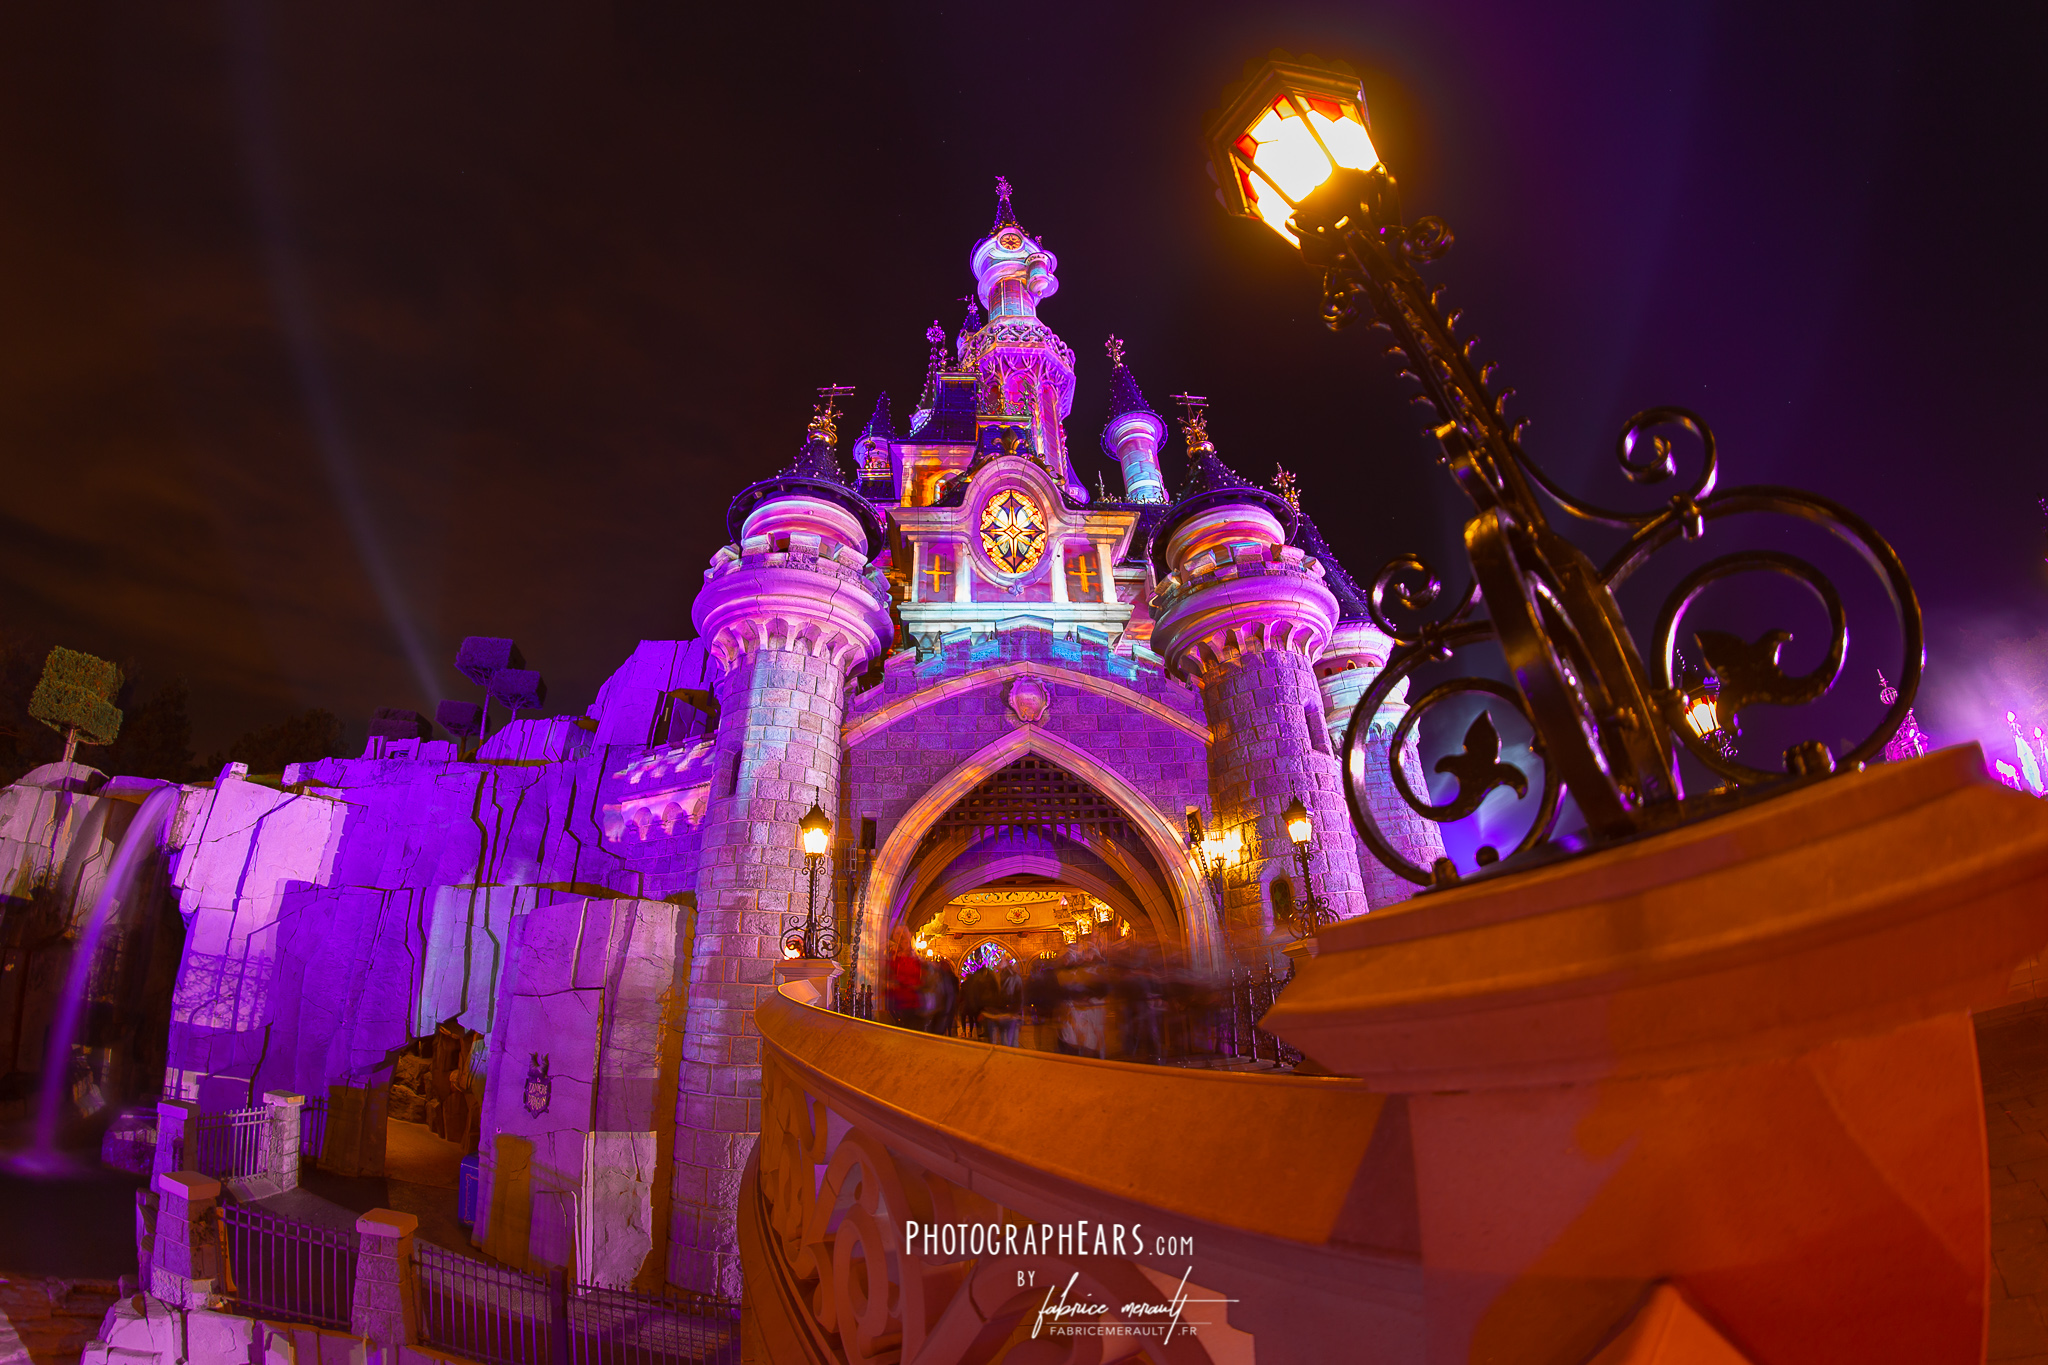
(816, 831)
(1291, 126)
(1299, 827)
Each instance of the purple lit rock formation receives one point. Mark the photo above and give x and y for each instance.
(598, 901)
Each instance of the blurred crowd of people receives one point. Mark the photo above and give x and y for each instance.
(1110, 998)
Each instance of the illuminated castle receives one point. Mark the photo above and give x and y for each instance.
(1006, 694)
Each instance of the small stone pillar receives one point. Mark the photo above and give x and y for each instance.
(386, 1309)
(177, 1136)
(281, 1138)
(813, 978)
(184, 1258)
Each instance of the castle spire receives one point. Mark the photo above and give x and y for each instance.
(1133, 433)
(817, 474)
(1006, 217)
(1213, 493)
(935, 340)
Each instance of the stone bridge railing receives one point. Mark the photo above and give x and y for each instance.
(1284, 1196)
(1710, 1095)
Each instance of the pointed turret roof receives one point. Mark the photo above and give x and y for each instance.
(1350, 598)
(816, 471)
(935, 341)
(1125, 397)
(882, 424)
(1210, 483)
(1005, 215)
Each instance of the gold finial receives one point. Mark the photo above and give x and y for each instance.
(1194, 421)
(1116, 351)
(1287, 486)
(825, 414)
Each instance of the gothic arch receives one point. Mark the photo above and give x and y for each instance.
(1162, 836)
(948, 884)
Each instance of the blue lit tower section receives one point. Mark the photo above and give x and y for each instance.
(1133, 433)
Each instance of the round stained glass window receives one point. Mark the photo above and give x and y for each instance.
(1013, 531)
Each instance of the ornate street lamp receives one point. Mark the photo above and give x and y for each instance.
(814, 836)
(1310, 914)
(1217, 850)
(1715, 726)
(1292, 148)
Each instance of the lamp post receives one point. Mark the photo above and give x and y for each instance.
(1309, 914)
(1215, 850)
(1292, 148)
(813, 940)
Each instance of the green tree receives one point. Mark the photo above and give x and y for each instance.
(75, 697)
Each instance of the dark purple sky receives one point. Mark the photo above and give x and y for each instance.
(335, 332)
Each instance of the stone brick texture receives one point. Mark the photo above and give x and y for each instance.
(1415, 837)
(781, 711)
(1271, 745)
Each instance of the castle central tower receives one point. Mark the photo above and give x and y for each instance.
(1026, 372)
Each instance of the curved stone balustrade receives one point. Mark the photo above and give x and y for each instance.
(1711, 1095)
(1294, 1191)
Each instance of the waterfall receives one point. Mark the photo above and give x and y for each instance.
(136, 845)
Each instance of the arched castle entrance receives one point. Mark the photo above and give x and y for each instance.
(1030, 808)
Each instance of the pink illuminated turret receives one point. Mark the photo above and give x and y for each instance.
(1026, 371)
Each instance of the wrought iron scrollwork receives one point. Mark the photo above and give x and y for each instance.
(820, 940)
(1608, 727)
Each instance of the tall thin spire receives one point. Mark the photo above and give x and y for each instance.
(935, 341)
(1133, 433)
(1005, 215)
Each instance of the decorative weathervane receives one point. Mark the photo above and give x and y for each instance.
(1287, 486)
(1194, 421)
(1608, 727)
(1115, 347)
(825, 415)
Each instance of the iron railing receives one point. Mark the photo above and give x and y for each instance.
(234, 1144)
(619, 1327)
(501, 1316)
(278, 1267)
(488, 1312)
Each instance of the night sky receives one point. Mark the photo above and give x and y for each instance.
(332, 333)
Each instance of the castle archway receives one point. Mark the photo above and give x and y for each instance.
(1130, 841)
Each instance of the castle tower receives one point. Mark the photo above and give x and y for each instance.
(1244, 616)
(1133, 434)
(1350, 664)
(788, 612)
(1026, 371)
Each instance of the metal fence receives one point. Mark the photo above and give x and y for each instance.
(617, 1327)
(278, 1267)
(234, 1144)
(486, 1312)
(312, 1129)
(501, 1316)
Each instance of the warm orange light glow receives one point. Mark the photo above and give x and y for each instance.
(1299, 827)
(816, 831)
(1702, 716)
(1292, 155)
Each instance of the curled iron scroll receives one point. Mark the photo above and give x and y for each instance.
(1846, 526)
(1646, 456)
(1473, 787)
(1387, 583)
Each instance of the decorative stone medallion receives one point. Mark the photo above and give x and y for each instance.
(969, 916)
(1013, 531)
(1019, 915)
(540, 1086)
(1030, 699)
